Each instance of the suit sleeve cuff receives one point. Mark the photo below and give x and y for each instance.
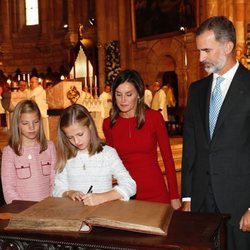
(186, 199)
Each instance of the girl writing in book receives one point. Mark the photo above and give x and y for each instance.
(28, 161)
(84, 162)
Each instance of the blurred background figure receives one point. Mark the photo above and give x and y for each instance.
(38, 94)
(148, 96)
(86, 94)
(159, 101)
(169, 91)
(49, 85)
(2, 111)
(240, 56)
(6, 95)
(243, 61)
(23, 86)
(23, 91)
(106, 101)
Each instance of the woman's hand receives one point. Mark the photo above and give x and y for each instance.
(176, 203)
(93, 199)
(74, 195)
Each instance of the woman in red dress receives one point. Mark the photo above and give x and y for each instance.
(135, 131)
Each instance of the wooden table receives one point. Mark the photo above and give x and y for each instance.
(187, 231)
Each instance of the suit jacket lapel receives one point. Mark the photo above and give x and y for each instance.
(235, 91)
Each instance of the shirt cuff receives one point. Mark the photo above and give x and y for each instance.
(124, 195)
(186, 199)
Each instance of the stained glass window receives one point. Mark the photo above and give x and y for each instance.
(31, 8)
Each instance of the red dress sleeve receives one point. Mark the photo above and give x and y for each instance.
(166, 153)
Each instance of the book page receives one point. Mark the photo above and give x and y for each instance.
(63, 214)
(59, 214)
(140, 216)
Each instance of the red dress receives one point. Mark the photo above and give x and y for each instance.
(138, 151)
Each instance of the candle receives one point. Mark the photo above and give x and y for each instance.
(28, 79)
(185, 58)
(24, 78)
(95, 81)
(9, 81)
(90, 82)
(18, 77)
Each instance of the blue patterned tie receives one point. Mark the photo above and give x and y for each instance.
(216, 100)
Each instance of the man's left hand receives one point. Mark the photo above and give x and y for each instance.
(245, 222)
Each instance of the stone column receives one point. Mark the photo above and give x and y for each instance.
(43, 43)
(124, 32)
(72, 35)
(211, 8)
(6, 46)
(101, 19)
(5, 20)
(230, 10)
(239, 21)
(44, 17)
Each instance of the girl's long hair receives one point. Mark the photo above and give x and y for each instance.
(75, 113)
(15, 138)
(136, 80)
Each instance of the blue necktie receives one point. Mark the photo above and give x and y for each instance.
(216, 100)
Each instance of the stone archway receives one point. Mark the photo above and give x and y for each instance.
(167, 55)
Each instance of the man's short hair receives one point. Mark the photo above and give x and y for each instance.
(222, 27)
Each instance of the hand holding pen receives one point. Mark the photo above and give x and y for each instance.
(77, 195)
(90, 189)
(91, 199)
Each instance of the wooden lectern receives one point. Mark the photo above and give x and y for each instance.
(187, 231)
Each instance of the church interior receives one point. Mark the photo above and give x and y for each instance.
(86, 43)
(75, 49)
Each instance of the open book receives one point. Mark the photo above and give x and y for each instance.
(63, 214)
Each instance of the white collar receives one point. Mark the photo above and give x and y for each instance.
(229, 74)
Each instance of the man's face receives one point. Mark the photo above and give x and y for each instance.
(107, 89)
(34, 82)
(22, 85)
(156, 86)
(212, 53)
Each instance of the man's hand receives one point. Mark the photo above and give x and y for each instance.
(245, 222)
(186, 206)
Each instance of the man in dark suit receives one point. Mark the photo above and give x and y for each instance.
(216, 149)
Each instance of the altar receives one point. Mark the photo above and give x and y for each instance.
(67, 92)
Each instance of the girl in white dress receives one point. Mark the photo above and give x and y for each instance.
(86, 168)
